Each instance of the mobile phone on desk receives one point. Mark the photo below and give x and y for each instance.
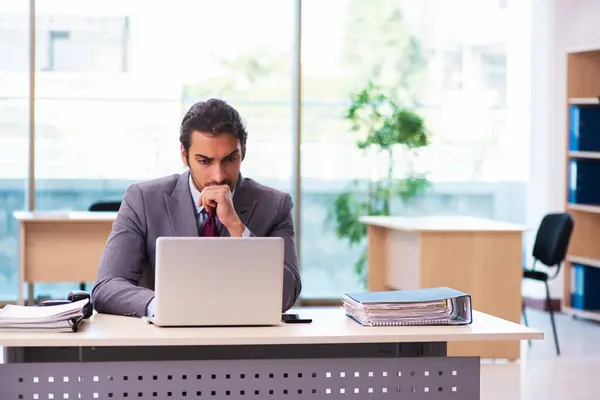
(295, 319)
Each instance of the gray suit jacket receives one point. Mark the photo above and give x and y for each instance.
(164, 207)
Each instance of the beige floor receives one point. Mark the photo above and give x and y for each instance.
(574, 375)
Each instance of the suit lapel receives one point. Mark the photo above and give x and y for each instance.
(243, 203)
(180, 208)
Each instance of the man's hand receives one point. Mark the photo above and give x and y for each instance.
(219, 197)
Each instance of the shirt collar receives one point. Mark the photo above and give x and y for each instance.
(196, 195)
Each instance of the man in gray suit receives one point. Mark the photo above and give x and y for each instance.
(211, 198)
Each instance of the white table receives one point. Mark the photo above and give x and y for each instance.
(478, 256)
(332, 358)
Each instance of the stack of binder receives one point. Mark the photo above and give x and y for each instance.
(430, 306)
(584, 123)
(59, 318)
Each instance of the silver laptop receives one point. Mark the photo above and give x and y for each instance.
(218, 281)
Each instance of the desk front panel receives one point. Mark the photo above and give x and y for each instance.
(484, 264)
(432, 378)
(487, 265)
(63, 251)
(404, 254)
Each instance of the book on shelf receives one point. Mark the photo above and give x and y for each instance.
(583, 182)
(585, 280)
(59, 318)
(429, 306)
(584, 123)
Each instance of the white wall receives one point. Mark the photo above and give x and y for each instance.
(558, 25)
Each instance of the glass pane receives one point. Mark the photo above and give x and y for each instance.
(115, 78)
(14, 117)
(461, 66)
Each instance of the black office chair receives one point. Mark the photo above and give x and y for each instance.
(102, 206)
(105, 206)
(550, 248)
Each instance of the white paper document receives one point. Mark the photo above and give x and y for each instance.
(52, 318)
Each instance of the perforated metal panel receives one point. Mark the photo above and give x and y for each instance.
(373, 378)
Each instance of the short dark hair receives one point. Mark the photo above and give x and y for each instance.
(213, 116)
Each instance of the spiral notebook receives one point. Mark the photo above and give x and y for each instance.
(59, 318)
(429, 306)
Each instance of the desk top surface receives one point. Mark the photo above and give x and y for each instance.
(441, 224)
(64, 216)
(329, 326)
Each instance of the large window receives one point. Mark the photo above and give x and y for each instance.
(14, 117)
(114, 116)
(455, 64)
(114, 78)
(113, 85)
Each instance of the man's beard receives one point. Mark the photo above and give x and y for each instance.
(212, 183)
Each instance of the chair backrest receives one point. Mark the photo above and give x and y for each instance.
(107, 206)
(552, 239)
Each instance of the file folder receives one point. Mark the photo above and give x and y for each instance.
(583, 181)
(584, 283)
(429, 306)
(584, 123)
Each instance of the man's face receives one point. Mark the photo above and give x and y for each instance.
(213, 159)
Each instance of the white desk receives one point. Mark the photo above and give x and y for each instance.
(478, 256)
(121, 357)
(61, 246)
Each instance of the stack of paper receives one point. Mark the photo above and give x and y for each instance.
(60, 318)
(431, 306)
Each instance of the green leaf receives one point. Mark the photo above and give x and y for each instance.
(409, 129)
(384, 123)
(345, 212)
(411, 187)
